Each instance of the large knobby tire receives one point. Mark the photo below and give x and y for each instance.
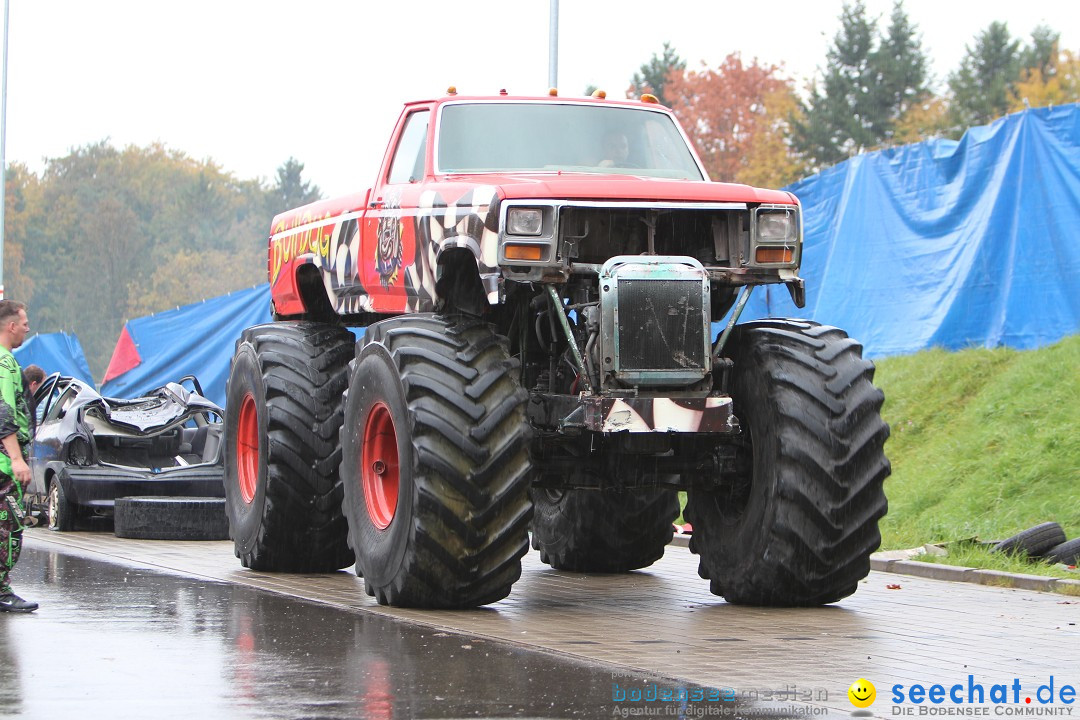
(602, 531)
(60, 511)
(170, 518)
(435, 463)
(282, 419)
(796, 523)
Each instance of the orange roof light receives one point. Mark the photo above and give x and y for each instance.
(553, 92)
(452, 90)
(599, 94)
(650, 98)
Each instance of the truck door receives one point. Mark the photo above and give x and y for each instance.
(389, 267)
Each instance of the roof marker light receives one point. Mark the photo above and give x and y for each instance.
(452, 90)
(599, 94)
(553, 92)
(650, 98)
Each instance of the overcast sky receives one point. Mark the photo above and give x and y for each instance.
(250, 83)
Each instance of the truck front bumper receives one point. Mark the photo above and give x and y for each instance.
(712, 415)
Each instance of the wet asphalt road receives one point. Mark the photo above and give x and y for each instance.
(122, 642)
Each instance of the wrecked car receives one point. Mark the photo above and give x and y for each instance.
(89, 450)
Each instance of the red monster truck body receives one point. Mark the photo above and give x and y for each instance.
(537, 279)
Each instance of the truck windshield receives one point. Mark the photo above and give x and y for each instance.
(549, 137)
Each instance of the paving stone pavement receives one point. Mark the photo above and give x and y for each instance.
(895, 630)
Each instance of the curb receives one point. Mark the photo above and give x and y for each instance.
(956, 573)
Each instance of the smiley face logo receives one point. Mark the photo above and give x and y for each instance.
(862, 693)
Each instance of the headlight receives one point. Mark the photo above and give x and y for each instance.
(777, 227)
(776, 236)
(524, 221)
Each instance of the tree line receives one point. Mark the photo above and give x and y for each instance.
(104, 234)
(751, 125)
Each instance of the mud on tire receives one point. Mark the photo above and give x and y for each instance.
(797, 525)
(283, 493)
(435, 463)
(602, 531)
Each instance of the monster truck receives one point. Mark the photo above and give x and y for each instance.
(534, 282)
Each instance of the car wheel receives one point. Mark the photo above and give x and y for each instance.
(1034, 541)
(1067, 553)
(60, 511)
(171, 518)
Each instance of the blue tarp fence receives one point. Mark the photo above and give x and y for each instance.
(946, 243)
(55, 352)
(940, 243)
(194, 340)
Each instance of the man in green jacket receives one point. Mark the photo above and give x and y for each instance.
(14, 450)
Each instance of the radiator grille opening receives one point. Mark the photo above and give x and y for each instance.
(660, 325)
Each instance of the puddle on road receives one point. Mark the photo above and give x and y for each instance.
(119, 641)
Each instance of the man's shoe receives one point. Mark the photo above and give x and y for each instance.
(13, 603)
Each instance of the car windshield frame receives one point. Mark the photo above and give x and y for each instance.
(534, 136)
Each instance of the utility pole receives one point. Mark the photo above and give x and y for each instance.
(3, 149)
(552, 45)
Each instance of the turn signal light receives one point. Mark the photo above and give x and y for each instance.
(773, 255)
(524, 252)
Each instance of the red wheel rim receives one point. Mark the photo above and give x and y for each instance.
(379, 467)
(247, 449)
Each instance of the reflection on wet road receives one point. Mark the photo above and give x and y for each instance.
(117, 641)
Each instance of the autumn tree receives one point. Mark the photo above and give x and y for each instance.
(928, 118)
(110, 234)
(770, 161)
(1060, 86)
(736, 116)
(653, 76)
(22, 203)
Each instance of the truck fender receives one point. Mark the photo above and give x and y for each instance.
(469, 223)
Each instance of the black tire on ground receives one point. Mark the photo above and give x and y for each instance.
(60, 512)
(435, 463)
(171, 518)
(602, 531)
(282, 418)
(1067, 552)
(1034, 541)
(799, 519)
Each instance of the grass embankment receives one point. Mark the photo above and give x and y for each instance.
(985, 443)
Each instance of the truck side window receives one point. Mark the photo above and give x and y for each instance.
(408, 163)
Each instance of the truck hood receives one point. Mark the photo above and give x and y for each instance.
(590, 186)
